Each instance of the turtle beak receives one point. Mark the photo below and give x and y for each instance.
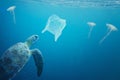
(32, 39)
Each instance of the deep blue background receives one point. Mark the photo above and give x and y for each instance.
(73, 56)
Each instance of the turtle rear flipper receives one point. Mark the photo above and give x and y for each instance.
(3, 74)
(38, 60)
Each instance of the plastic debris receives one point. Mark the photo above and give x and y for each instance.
(110, 28)
(91, 25)
(11, 10)
(55, 25)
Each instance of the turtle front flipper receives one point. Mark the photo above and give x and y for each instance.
(38, 60)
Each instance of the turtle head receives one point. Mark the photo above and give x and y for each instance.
(32, 39)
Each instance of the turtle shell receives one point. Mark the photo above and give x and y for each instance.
(13, 60)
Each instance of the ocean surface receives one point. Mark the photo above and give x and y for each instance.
(73, 56)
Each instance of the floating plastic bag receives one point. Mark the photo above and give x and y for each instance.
(55, 25)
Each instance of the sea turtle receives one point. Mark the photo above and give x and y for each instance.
(13, 60)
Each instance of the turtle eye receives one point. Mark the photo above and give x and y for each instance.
(35, 38)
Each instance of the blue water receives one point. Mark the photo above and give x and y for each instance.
(73, 56)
